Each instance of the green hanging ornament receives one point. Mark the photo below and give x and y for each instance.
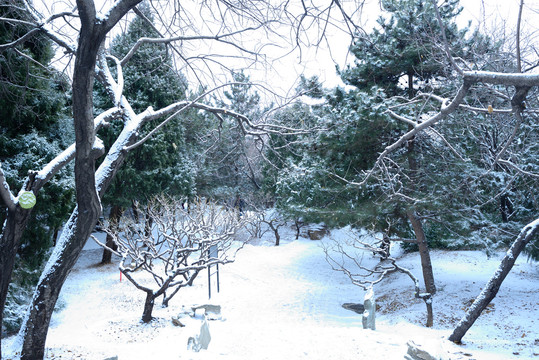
(27, 200)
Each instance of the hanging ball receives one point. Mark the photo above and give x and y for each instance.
(27, 200)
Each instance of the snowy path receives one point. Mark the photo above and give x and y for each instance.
(278, 303)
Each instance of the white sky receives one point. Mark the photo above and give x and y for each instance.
(321, 60)
(485, 14)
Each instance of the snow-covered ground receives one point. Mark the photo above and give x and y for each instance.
(285, 303)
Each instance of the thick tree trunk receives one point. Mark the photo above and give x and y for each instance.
(491, 289)
(426, 265)
(114, 218)
(148, 307)
(13, 229)
(84, 218)
(34, 329)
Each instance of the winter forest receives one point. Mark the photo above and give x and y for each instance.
(172, 186)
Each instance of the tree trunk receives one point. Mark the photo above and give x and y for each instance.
(134, 208)
(84, 218)
(34, 329)
(148, 222)
(276, 232)
(148, 307)
(297, 223)
(14, 226)
(114, 218)
(491, 289)
(506, 208)
(426, 265)
(430, 316)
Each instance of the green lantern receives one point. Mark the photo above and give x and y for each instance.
(27, 200)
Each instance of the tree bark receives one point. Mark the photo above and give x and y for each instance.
(34, 329)
(426, 265)
(493, 286)
(14, 226)
(430, 315)
(275, 230)
(148, 307)
(114, 218)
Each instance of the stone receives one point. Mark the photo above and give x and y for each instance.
(200, 341)
(369, 314)
(417, 352)
(212, 312)
(358, 308)
(204, 337)
(317, 232)
(210, 308)
(177, 322)
(112, 358)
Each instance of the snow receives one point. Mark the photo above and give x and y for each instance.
(285, 303)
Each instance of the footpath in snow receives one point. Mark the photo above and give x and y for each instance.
(286, 303)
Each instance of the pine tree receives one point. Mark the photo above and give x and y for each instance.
(33, 123)
(165, 163)
(231, 166)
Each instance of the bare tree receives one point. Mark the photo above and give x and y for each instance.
(348, 259)
(179, 245)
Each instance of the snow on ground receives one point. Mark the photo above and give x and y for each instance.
(285, 303)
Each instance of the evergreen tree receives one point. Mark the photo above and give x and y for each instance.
(165, 163)
(33, 129)
(403, 54)
(231, 165)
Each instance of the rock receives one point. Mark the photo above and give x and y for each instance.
(112, 358)
(204, 337)
(369, 314)
(212, 312)
(210, 308)
(417, 352)
(200, 341)
(358, 308)
(177, 322)
(317, 232)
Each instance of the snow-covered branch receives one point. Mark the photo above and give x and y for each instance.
(175, 245)
(5, 193)
(66, 156)
(491, 289)
(442, 114)
(522, 83)
(247, 126)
